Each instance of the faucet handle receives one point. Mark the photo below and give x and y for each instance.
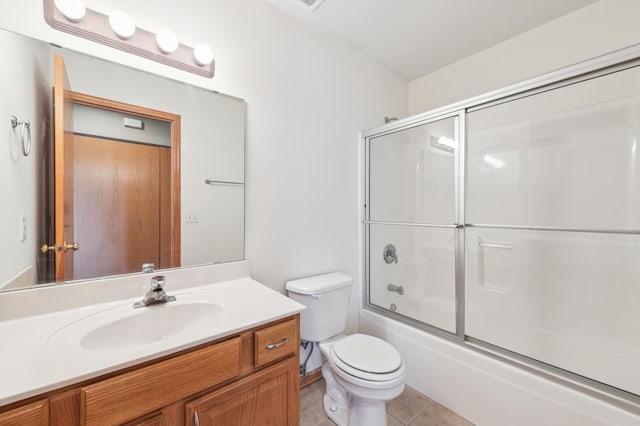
(157, 282)
(148, 267)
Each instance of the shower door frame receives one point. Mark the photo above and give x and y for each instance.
(458, 225)
(599, 66)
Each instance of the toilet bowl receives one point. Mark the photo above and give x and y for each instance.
(361, 372)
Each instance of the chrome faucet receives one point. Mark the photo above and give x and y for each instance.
(155, 294)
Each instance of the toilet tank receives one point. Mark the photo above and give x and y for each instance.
(327, 300)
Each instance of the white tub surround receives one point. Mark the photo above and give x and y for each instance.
(485, 390)
(40, 353)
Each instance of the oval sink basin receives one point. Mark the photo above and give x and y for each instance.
(123, 327)
(151, 324)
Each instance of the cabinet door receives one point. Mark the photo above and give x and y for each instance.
(268, 397)
(36, 414)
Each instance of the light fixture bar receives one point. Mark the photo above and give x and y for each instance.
(95, 27)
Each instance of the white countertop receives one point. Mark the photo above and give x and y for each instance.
(35, 359)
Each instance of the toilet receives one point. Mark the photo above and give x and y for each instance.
(361, 372)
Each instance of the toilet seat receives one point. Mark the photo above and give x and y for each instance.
(367, 357)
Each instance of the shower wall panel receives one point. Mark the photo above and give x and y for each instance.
(425, 271)
(565, 158)
(567, 299)
(412, 174)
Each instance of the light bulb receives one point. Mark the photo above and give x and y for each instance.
(122, 24)
(167, 41)
(202, 54)
(73, 10)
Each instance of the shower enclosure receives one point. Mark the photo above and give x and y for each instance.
(511, 223)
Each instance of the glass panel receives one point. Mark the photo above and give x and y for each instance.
(567, 299)
(565, 158)
(425, 270)
(412, 174)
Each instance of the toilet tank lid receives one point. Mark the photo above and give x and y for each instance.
(319, 284)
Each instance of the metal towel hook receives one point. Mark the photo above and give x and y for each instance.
(26, 125)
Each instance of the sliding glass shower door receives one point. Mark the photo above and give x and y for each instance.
(412, 222)
(522, 237)
(553, 212)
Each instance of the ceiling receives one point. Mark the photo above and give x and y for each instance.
(415, 37)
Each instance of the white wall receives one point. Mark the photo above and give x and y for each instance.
(27, 97)
(597, 29)
(307, 98)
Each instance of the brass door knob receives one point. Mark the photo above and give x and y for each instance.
(75, 246)
(45, 248)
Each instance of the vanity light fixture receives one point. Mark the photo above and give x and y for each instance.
(122, 24)
(118, 30)
(73, 10)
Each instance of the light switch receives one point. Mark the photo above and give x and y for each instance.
(193, 217)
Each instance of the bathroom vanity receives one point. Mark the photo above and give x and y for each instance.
(239, 366)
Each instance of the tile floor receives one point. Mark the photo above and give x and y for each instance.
(409, 409)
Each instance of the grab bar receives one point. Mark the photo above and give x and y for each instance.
(497, 246)
(221, 182)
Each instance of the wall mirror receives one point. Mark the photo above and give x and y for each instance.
(149, 159)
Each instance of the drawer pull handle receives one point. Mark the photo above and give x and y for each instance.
(196, 419)
(278, 345)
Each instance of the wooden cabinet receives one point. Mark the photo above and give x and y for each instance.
(250, 378)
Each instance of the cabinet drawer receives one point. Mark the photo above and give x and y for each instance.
(36, 414)
(276, 342)
(132, 395)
